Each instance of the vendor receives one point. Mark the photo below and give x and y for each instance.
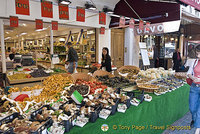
(106, 60)
(12, 54)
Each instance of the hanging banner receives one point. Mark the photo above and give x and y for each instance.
(63, 12)
(147, 27)
(141, 25)
(132, 23)
(80, 14)
(14, 21)
(122, 21)
(38, 24)
(194, 3)
(54, 25)
(47, 9)
(22, 7)
(102, 30)
(102, 18)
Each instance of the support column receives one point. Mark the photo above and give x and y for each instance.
(131, 48)
(104, 40)
(51, 46)
(3, 53)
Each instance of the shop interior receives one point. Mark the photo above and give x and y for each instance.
(34, 45)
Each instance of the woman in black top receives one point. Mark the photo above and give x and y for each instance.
(106, 60)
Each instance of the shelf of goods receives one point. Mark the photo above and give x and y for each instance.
(80, 102)
(30, 75)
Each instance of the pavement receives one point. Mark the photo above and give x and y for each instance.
(184, 121)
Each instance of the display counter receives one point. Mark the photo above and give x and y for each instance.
(148, 118)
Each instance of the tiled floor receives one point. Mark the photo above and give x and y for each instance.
(185, 121)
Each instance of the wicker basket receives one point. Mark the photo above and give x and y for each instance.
(82, 76)
(128, 67)
(149, 90)
(102, 73)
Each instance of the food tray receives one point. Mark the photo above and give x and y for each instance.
(6, 120)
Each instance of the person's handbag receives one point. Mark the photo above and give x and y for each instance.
(189, 80)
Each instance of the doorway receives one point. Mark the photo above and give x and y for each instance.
(117, 47)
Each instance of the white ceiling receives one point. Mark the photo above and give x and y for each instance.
(29, 28)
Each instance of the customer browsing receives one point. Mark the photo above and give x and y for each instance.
(72, 58)
(194, 97)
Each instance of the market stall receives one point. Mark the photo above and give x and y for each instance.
(149, 117)
(74, 103)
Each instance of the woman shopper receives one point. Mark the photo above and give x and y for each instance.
(106, 60)
(194, 97)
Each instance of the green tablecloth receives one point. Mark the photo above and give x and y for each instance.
(153, 117)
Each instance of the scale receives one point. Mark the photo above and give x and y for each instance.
(27, 60)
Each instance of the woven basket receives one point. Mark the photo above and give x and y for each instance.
(147, 90)
(102, 73)
(82, 76)
(128, 67)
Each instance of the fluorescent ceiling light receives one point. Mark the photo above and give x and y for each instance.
(90, 6)
(38, 30)
(62, 39)
(7, 38)
(65, 2)
(109, 11)
(22, 34)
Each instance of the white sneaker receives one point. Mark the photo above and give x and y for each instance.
(197, 131)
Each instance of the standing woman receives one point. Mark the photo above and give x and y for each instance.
(106, 60)
(194, 97)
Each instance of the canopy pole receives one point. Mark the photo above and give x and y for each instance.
(51, 46)
(3, 53)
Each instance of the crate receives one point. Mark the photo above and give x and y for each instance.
(114, 107)
(68, 124)
(94, 115)
(139, 95)
(6, 120)
(47, 123)
(128, 101)
(39, 111)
